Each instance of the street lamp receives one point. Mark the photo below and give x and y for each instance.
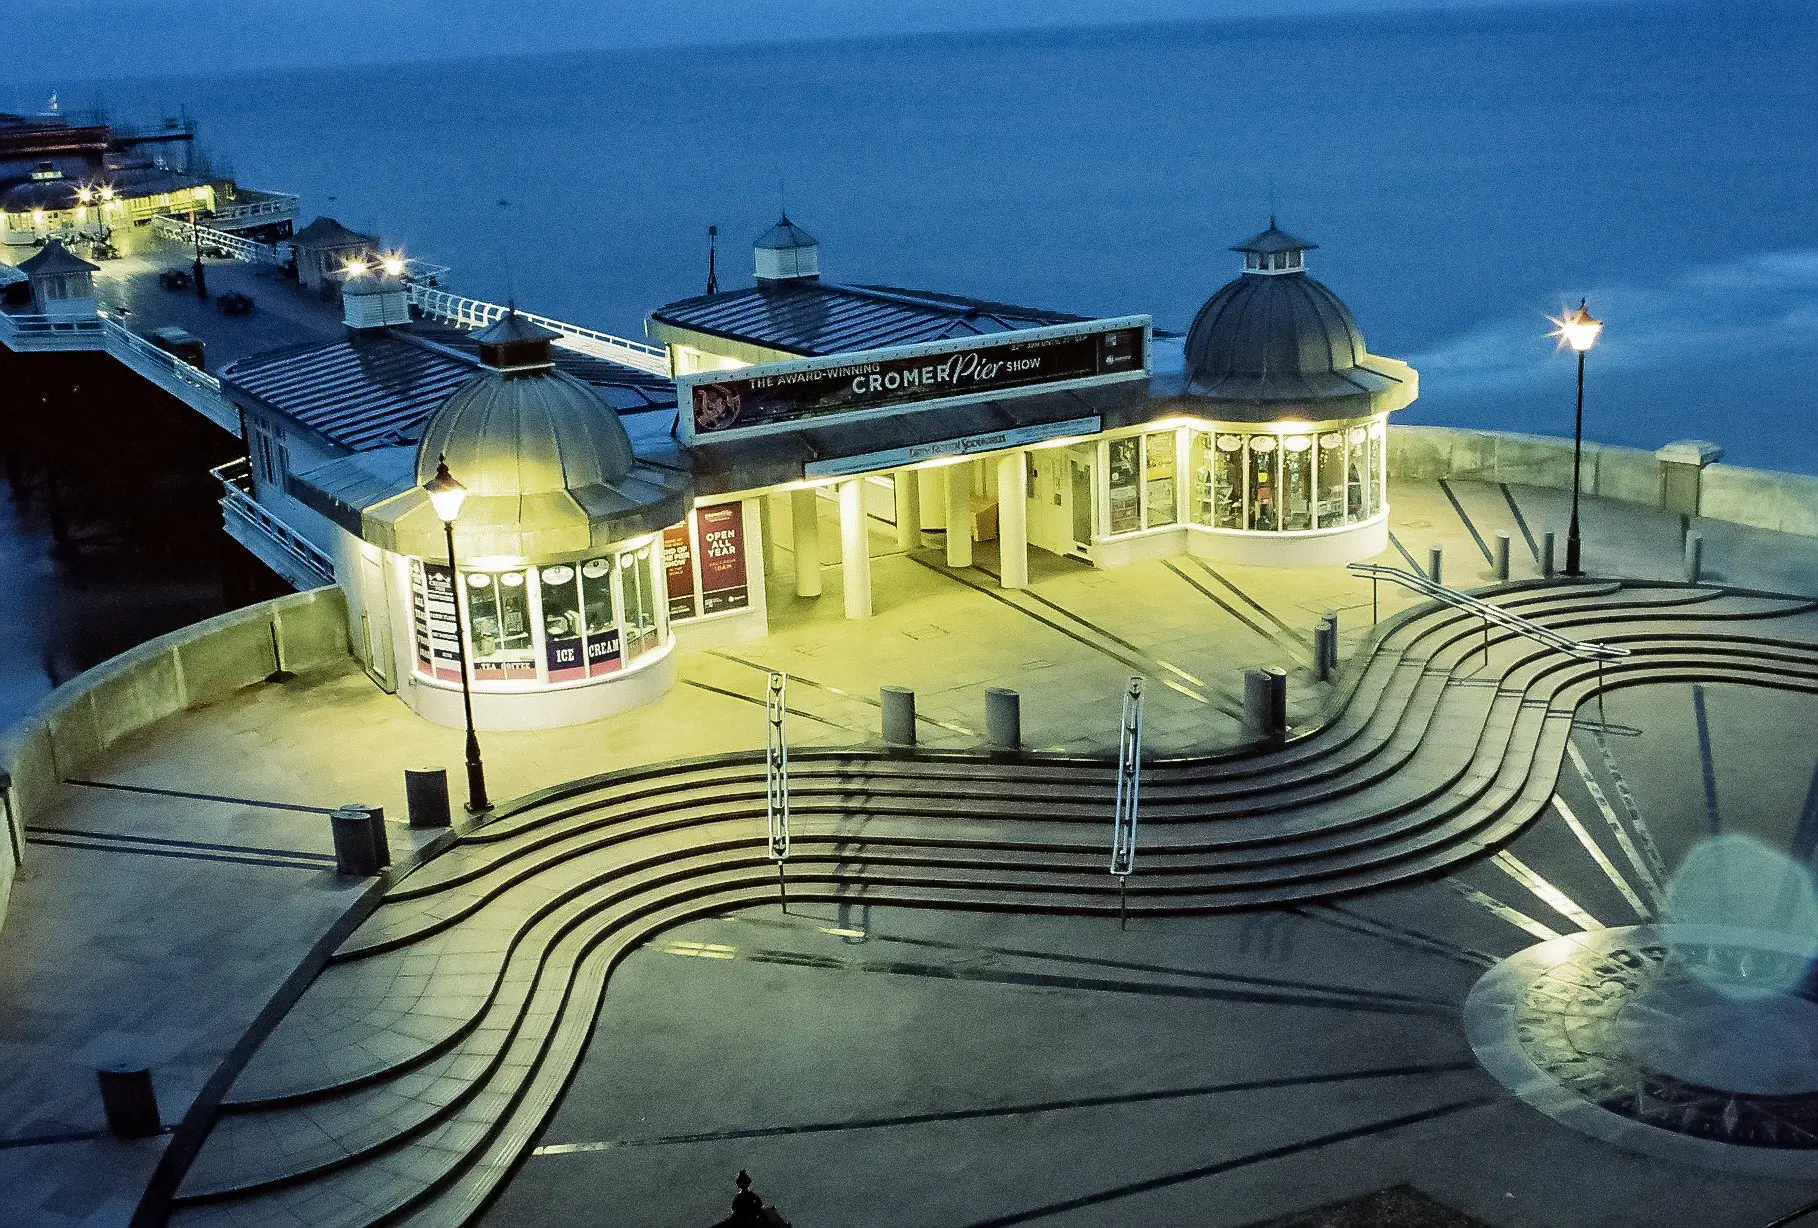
(446, 496)
(1578, 329)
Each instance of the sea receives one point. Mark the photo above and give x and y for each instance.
(1465, 172)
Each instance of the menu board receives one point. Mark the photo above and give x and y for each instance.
(678, 568)
(721, 531)
(433, 604)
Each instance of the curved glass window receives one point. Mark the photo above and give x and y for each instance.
(556, 623)
(1297, 482)
(1329, 480)
(1158, 479)
(1126, 485)
(1266, 482)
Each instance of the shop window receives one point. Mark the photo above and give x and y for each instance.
(1158, 479)
(1357, 474)
(1329, 479)
(1125, 486)
(498, 622)
(1377, 460)
(564, 630)
(599, 622)
(1228, 481)
(1265, 511)
(637, 586)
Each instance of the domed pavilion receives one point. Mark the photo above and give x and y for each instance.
(1287, 416)
(558, 556)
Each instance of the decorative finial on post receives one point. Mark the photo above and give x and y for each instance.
(713, 281)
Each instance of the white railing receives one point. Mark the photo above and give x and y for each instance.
(54, 332)
(270, 204)
(171, 227)
(119, 337)
(472, 313)
(237, 501)
(1583, 650)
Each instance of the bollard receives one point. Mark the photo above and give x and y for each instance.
(1547, 568)
(1694, 557)
(1331, 616)
(381, 841)
(1502, 557)
(1003, 718)
(1435, 559)
(899, 715)
(426, 796)
(355, 852)
(1266, 701)
(128, 1099)
(1323, 652)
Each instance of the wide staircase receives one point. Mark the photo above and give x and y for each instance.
(419, 1065)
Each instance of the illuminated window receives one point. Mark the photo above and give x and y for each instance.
(1158, 479)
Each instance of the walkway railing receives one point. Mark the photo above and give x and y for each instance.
(473, 313)
(178, 229)
(237, 501)
(1495, 615)
(52, 332)
(119, 337)
(270, 205)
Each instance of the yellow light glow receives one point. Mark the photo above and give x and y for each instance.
(393, 266)
(1292, 427)
(1576, 328)
(107, 192)
(85, 194)
(495, 562)
(37, 215)
(356, 267)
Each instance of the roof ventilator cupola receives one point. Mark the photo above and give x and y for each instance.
(374, 300)
(786, 252)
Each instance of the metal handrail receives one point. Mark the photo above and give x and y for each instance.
(235, 478)
(121, 336)
(474, 313)
(173, 227)
(1583, 650)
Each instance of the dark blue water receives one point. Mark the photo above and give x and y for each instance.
(1464, 173)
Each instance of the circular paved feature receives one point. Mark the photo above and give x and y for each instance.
(1653, 1038)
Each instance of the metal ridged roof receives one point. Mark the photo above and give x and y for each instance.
(812, 318)
(1283, 325)
(379, 389)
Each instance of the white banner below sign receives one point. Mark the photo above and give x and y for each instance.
(994, 441)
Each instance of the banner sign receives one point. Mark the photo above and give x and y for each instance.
(783, 396)
(722, 535)
(678, 567)
(993, 441)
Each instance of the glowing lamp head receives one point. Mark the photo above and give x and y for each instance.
(1577, 328)
(393, 266)
(445, 494)
(107, 192)
(85, 195)
(356, 267)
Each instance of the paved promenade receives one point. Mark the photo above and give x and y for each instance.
(168, 898)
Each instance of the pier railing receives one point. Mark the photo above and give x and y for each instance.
(298, 559)
(473, 313)
(270, 207)
(169, 226)
(1492, 615)
(36, 332)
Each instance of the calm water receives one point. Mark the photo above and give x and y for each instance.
(1464, 173)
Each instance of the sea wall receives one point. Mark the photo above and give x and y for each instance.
(1760, 498)
(76, 723)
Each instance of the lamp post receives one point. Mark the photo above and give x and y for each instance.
(446, 495)
(1578, 329)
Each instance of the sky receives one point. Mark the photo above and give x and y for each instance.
(81, 40)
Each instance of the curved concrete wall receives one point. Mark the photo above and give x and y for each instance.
(194, 665)
(1760, 498)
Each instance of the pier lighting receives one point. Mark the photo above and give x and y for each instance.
(1580, 330)
(355, 268)
(85, 194)
(446, 496)
(393, 265)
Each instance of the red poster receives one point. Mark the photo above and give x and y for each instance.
(678, 565)
(721, 532)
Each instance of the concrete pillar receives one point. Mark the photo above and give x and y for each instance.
(767, 533)
(1547, 566)
(805, 522)
(426, 796)
(959, 513)
(1003, 718)
(908, 509)
(932, 484)
(1436, 556)
(899, 715)
(1502, 556)
(1694, 557)
(855, 548)
(1013, 520)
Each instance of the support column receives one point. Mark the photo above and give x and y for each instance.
(959, 513)
(908, 509)
(805, 521)
(933, 484)
(855, 548)
(1013, 520)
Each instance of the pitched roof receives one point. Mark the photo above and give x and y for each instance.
(326, 232)
(378, 388)
(1273, 240)
(54, 259)
(814, 317)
